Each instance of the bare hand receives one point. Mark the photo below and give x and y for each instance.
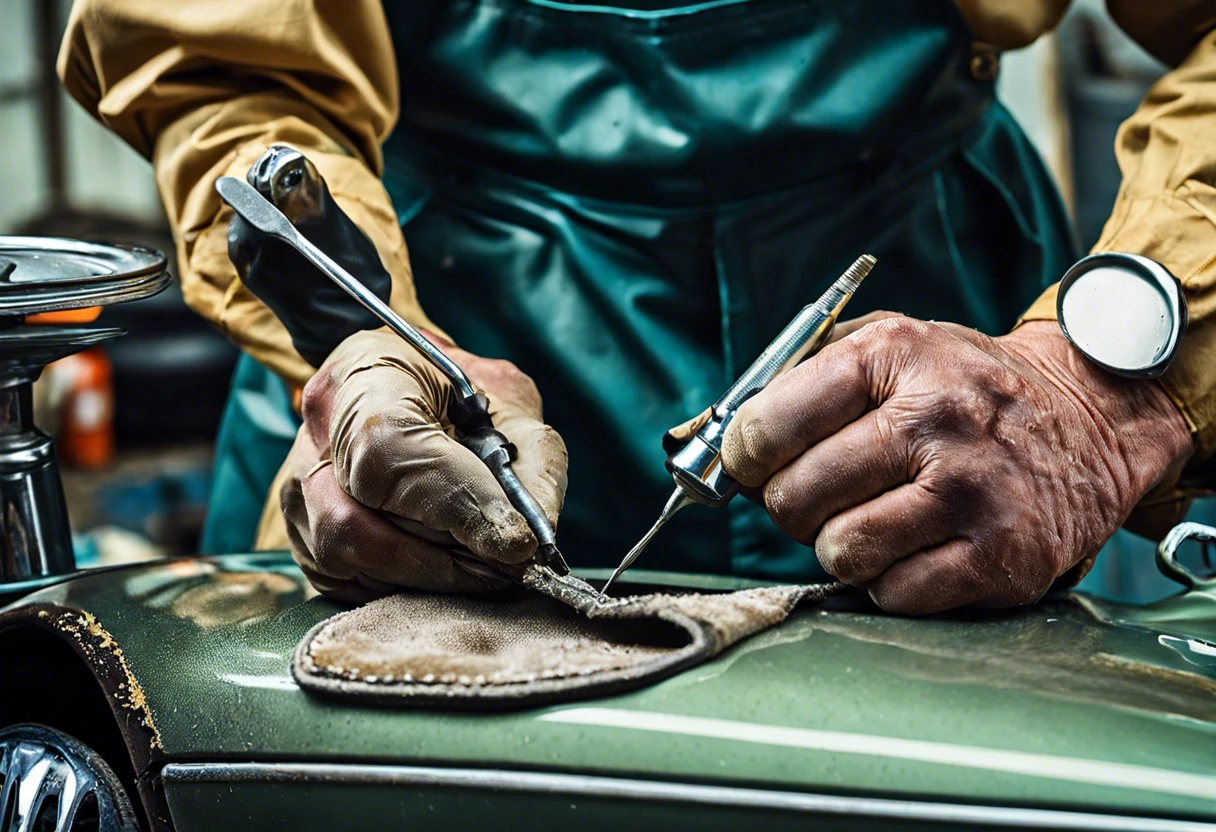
(938, 467)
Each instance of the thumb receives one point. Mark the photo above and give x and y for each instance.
(393, 451)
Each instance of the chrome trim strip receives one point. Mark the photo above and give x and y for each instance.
(656, 791)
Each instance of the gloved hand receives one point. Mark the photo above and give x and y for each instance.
(938, 467)
(380, 495)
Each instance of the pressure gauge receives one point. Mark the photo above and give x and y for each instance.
(1124, 312)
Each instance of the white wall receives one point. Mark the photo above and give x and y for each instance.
(1030, 86)
(22, 182)
(103, 174)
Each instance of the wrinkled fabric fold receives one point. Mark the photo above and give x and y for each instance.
(531, 647)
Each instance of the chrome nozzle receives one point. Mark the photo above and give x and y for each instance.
(675, 502)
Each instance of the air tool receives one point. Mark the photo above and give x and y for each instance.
(696, 465)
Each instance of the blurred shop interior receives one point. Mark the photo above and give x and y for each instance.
(135, 419)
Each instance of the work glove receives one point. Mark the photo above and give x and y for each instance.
(381, 495)
(937, 467)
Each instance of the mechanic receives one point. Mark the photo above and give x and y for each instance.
(627, 200)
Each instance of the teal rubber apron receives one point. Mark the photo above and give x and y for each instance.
(630, 200)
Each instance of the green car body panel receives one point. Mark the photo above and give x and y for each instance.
(1070, 704)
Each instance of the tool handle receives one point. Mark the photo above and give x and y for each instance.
(311, 314)
(359, 292)
(315, 312)
(806, 334)
(286, 179)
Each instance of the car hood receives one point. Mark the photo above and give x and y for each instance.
(1068, 703)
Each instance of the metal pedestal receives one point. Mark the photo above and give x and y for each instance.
(43, 275)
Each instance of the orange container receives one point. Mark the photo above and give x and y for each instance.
(86, 427)
(67, 316)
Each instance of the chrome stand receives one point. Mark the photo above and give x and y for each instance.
(40, 275)
(35, 537)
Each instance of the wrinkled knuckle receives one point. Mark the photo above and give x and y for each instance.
(317, 393)
(841, 555)
(524, 383)
(341, 521)
(506, 370)
(898, 330)
(987, 392)
(506, 374)
(847, 354)
(967, 482)
(786, 511)
(1009, 387)
(336, 535)
(748, 447)
(960, 491)
(980, 401)
(843, 370)
(959, 412)
(889, 429)
(949, 405)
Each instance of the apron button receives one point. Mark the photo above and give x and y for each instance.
(985, 62)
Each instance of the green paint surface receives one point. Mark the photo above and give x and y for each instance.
(1067, 704)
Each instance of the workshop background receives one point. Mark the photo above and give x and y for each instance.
(135, 420)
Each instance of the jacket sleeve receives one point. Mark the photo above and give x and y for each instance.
(1166, 210)
(203, 88)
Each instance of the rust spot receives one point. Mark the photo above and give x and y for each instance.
(81, 631)
(98, 646)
